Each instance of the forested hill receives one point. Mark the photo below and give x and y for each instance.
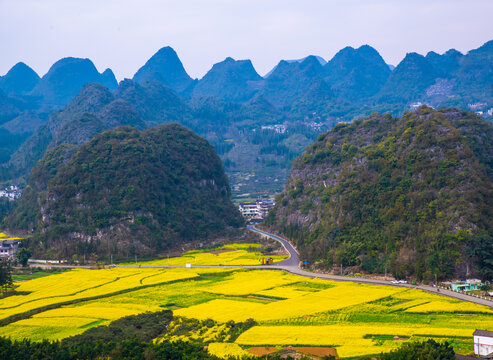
(257, 124)
(413, 195)
(126, 191)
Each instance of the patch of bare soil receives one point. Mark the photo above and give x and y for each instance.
(311, 351)
(262, 350)
(316, 351)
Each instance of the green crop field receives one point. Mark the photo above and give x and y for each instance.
(355, 319)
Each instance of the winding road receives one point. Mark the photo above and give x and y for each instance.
(292, 265)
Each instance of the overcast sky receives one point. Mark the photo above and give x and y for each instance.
(123, 34)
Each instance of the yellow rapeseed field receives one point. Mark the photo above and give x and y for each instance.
(222, 310)
(82, 283)
(70, 320)
(340, 296)
(351, 340)
(252, 282)
(225, 350)
(449, 306)
(356, 319)
(286, 292)
(7, 237)
(95, 310)
(201, 334)
(40, 328)
(232, 254)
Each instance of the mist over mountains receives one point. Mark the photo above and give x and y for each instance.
(257, 124)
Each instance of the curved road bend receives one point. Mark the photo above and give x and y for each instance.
(292, 265)
(294, 258)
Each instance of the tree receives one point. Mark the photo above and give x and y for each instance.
(429, 349)
(5, 273)
(483, 251)
(23, 256)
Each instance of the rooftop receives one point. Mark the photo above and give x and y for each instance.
(486, 333)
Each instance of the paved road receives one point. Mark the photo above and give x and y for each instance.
(292, 265)
(293, 259)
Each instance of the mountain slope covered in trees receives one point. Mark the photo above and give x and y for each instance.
(126, 192)
(258, 125)
(413, 195)
(92, 111)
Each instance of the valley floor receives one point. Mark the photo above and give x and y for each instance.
(354, 319)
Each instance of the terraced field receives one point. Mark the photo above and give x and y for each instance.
(354, 319)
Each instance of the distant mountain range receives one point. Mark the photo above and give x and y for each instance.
(232, 105)
(166, 68)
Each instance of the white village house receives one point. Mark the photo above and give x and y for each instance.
(483, 343)
(256, 210)
(8, 248)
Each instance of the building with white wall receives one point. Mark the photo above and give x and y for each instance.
(8, 248)
(483, 343)
(256, 210)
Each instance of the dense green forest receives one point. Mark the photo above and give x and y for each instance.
(126, 192)
(410, 195)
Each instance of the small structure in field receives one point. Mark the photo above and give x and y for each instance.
(483, 343)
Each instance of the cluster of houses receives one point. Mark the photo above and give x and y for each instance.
(12, 192)
(481, 108)
(278, 128)
(256, 210)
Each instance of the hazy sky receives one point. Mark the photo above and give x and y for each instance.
(123, 34)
